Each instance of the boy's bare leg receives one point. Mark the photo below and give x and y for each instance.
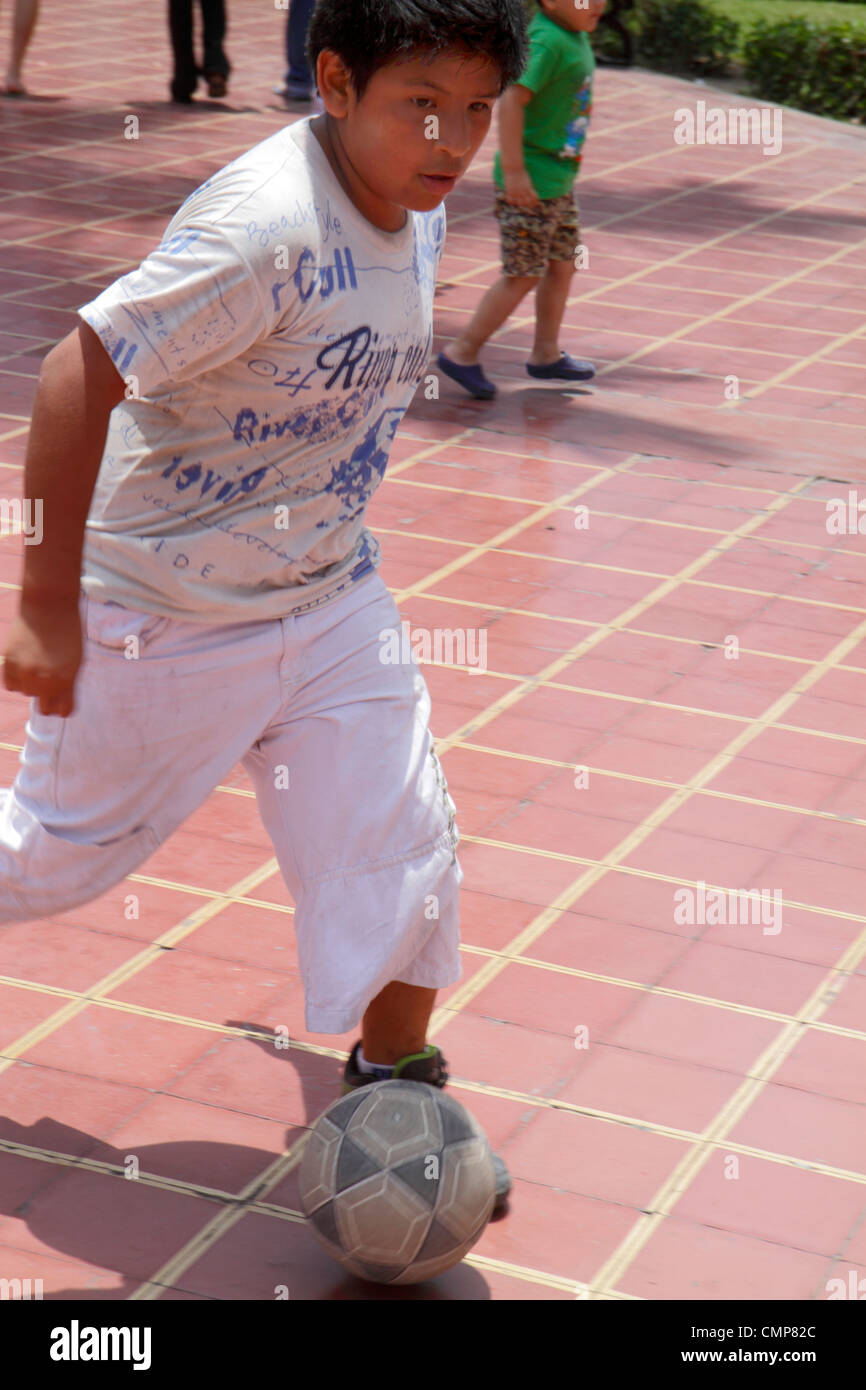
(22, 28)
(498, 302)
(550, 302)
(396, 1022)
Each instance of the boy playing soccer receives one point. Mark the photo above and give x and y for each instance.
(543, 121)
(204, 446)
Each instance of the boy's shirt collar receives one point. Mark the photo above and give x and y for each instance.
(305, 137)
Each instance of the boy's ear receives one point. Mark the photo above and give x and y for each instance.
(334, 82)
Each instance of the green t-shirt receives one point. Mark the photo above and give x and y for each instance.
(559, 74)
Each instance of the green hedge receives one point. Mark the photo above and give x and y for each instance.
(684, 36)
(818, 69)
(606, 43)
(815, 67)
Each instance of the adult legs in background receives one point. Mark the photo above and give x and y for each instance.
(216, 64)
(23, 24)
(299, 79)
(185, 78)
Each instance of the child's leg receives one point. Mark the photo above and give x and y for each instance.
(395, 1024)
(498, 302)
(150, 738)
(550, 302)
(363, 827)
(525, 234)
(552, 295)
(547, 360)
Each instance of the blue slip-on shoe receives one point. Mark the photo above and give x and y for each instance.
(427, 1067)
(472, 379)
(565, 369)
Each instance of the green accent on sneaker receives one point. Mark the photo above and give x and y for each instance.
(428, 1053)
(427, 1065)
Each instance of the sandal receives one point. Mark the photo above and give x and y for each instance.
(472, 379)
(565, 368)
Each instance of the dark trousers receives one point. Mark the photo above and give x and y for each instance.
(298, 75)
(186, 70)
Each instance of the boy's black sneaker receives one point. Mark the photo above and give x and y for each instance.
(427, 1067)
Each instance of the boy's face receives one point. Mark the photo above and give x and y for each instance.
(574, 14)
(413, 133)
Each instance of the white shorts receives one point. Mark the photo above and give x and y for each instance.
(364, 833)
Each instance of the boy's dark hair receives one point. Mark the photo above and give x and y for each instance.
(369, 34)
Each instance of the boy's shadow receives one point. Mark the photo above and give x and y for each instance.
(119, 1234)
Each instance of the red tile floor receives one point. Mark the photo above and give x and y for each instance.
(694, 640)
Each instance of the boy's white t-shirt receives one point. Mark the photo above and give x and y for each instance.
(276, 338)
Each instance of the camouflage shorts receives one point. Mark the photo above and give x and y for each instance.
(533, 236)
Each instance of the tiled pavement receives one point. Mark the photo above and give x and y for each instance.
(698, 647)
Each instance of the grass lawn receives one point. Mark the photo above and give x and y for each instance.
(820, 12)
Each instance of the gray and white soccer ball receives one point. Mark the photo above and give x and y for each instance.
(397, 1181)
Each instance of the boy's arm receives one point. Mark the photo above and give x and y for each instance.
(77, 390)
(518, 185)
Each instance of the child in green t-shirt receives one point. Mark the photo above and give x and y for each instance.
(543, 120)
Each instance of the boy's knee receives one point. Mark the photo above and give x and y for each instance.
(43, 874)
(523, 283)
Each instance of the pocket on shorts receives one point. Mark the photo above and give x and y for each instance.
(114, 628)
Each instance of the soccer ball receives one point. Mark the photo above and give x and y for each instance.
(397, 1181)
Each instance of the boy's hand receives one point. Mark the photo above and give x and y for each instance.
(43, 655)
(519, 189)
